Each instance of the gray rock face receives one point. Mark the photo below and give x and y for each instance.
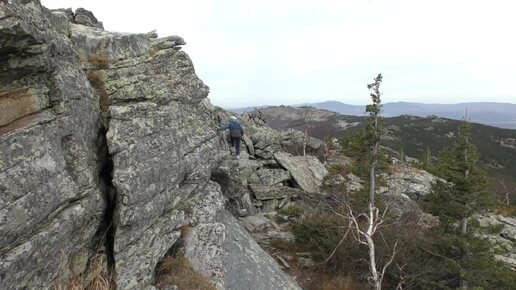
(246, 265)
(225, 253)
(505, 239)
(307, 171)
(85, 17)
(51, 193)
(410, 181)
(160, 158)
(65, 82)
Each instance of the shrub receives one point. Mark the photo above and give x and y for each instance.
(321, 233)
(292, 210)
(178, 271)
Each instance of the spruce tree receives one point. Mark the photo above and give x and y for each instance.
(458, 256)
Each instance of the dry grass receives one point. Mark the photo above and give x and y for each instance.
(151, 52)
(95, 278)
(99, 60)
(178, 271)
(339, 283)
(507, 210)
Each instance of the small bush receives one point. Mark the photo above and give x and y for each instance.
(99, 60)
(321, 233)
(178, 271)
(292, 210)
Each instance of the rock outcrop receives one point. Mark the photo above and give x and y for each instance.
(108, 148)
(226, 252)
(307, 171)
(505, 239)
(52, 151)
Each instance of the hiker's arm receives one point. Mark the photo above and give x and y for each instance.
(242, 128)
(223, 127)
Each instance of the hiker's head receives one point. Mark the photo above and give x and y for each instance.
(233, 118)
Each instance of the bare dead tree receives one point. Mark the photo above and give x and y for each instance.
(367, 225)
(507, 192)
(307, 116)
(364, 227)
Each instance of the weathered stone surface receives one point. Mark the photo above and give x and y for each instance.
(410, 181)
(160, 158)
(50, 190)
(227, 255)
(264, 192)
(203, 247)
(293, 140)
(233, 177)
(255, 223)
(61, 174)
(505, 240)
(354, 183)
(90, 42)
(267, 237)
(269, 177)
(266, 141)
(85, 17)
(246, 265)
(307, 171)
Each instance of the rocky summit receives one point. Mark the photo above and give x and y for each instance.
(109, 147)
(111, 162)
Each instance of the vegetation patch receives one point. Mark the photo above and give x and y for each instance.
(94, 278)
(292, 210)
(97, 81)
(178, 271)
(99, 60)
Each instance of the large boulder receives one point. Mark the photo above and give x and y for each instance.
(229, 257)
(409, 181)
(162, 142)
(85, 17)
(52, 150)
(108, 147)
(307, 171)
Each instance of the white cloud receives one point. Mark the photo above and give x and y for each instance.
(273, 52)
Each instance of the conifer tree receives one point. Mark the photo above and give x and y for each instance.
(464, 192)
(426, 159)
(459, 257)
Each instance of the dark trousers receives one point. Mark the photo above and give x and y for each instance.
(235, 142)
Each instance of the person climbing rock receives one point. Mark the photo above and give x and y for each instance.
(236, 131)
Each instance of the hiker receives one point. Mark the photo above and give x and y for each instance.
(236, 131)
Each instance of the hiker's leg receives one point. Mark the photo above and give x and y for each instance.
(233, 143)
(237, 145)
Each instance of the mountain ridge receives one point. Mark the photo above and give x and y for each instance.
(502, 115)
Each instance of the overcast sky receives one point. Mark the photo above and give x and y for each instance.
(295, 51)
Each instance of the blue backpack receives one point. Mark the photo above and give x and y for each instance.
(235, 130)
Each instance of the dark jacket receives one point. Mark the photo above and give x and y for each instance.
(231, 122)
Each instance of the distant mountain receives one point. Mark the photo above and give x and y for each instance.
(501, 115)
(497, 146)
